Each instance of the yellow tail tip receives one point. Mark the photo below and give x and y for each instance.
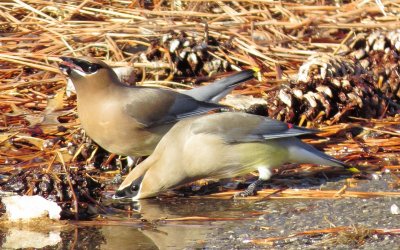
(354, 170)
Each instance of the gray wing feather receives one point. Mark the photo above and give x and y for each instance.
(217, 90)
(241, 127)
(154, 107)
(185, 106)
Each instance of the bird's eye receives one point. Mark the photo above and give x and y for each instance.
(134, 188)
(92, 68)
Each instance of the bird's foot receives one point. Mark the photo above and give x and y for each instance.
(251, 190)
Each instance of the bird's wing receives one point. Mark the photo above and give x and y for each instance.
(154, 107)
(240, 127)
(217, 90)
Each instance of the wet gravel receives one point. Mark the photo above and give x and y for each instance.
(285, 217)
(282, 218)
(244, 224)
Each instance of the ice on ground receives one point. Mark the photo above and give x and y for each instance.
(26, 208)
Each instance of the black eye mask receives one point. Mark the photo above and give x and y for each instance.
(89, 67)
(131, 190)
(69, 63)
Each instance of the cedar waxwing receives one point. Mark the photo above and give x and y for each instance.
(220, 145)
(130, 120)
(164, 235)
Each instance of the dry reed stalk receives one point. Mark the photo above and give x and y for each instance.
(364, 232)
(303, 194)
(226, 22)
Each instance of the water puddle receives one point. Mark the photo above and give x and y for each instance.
(204, 222)
(168, 224)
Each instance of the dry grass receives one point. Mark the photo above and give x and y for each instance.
(266, 34)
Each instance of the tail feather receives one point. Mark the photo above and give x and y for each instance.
(237, 78)
(301, 152)
(214, 92)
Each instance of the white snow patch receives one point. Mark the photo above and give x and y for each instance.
(30, 207)
(394, 209)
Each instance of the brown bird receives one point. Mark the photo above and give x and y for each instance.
(130, 120)
(220, 145)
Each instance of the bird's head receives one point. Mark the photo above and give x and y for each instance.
(87, 70)
(130, 189)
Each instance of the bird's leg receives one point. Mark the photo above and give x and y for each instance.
(251, 189)
(264, 174)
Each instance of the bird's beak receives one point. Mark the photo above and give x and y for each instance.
(130, 191)
(68, 64)
(124, 194)
(121, 193)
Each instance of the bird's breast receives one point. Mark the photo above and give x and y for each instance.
(115, 131)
